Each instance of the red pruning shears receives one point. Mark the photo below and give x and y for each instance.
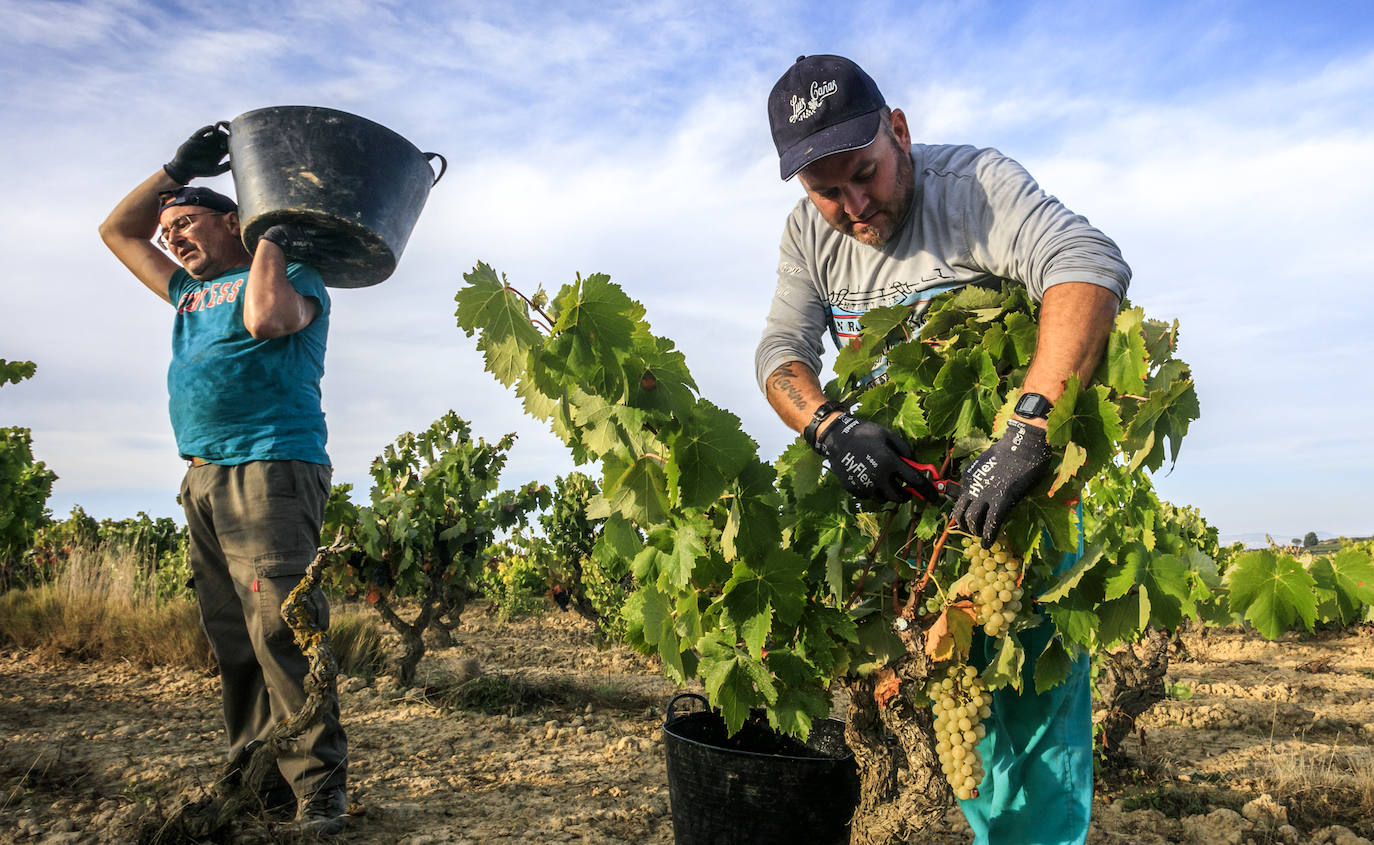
(948, 487)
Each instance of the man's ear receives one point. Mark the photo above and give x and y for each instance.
(900, 128)
(233, 219)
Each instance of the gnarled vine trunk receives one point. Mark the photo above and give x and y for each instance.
(453, 600)
(412, 633)
(902, 791)
(1131, 683)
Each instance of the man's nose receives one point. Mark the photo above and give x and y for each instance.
(856, 201)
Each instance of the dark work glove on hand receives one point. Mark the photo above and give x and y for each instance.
(999, 478)
(293, 240)
(203, 154)
(867, 458)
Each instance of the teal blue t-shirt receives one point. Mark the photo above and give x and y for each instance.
(235, 398)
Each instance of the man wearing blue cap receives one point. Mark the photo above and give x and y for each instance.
(248, 343)
(887, 222)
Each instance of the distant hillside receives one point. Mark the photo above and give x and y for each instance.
(1257, 539)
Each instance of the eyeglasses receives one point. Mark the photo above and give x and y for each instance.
(179, 224)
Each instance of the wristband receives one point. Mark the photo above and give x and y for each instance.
(826, 409)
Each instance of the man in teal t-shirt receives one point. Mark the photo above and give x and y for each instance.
(248, 343)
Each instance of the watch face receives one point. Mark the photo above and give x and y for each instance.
(1033, 405)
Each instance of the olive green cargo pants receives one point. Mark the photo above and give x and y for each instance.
(253, 529)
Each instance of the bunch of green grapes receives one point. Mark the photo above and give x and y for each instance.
(993, 576)
(961, 702)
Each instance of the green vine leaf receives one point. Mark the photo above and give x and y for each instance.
(735, 681)
(1087, 417)
(650, 616)
(1092, 555)
(1122, 619)
(1272, 592)
(638, 491)
(502, 315)
(799, 703)
(751, 596)
(1074, 458)
(1006, 666)
(707, 455)
(1165, 415)
(1124, 364)
(1052, 666)
(965, 396)
(1349, 577)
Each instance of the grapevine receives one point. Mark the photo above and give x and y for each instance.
(769, 583)
(25, 484)
(434, 508)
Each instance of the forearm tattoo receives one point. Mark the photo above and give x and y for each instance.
(783, 380)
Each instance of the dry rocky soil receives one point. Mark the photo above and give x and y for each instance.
(559, 740)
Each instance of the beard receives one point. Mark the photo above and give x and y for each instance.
(890, 216)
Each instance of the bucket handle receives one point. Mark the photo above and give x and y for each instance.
(443, 166)
(668, 711)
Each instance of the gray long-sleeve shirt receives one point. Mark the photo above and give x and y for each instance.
(976, 217)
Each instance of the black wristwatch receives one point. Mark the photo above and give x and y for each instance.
(1032, 405)
(826, 409)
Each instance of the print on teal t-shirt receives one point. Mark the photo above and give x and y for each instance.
(234, 398)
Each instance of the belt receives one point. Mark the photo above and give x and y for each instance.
(197, 462)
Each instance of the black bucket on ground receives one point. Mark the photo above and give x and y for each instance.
(757, 787)
(354, 186)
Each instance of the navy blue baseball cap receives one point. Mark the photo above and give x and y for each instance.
(203, 197)
(821, 106)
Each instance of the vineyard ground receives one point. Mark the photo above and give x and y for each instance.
(572, 750)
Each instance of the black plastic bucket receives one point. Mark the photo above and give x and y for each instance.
(355, 185)
(757, 787)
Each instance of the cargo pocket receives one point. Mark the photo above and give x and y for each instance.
(275, 575)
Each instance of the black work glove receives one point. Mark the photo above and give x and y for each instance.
(998, 479)
(203, 154)
(867, 458)
(294, 240)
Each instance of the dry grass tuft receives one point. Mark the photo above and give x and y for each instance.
(359, 643)
(95, 610)
(1322, 786)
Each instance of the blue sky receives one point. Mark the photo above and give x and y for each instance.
(1227, 147)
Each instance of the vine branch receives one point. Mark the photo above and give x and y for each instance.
(868, 564)
(547, 325)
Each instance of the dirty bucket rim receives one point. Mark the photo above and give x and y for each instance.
(668, 729)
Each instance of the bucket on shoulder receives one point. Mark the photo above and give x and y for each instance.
(356, 187)
(757, 787)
